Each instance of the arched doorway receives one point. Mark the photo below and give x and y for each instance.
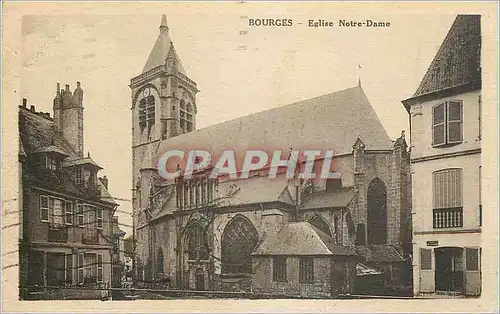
(449, 274)
(194, 254)
(377, 212)
(238, 242)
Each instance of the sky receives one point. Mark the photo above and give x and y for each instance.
(239, 69)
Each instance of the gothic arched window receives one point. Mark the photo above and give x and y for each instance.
(377, 212)
(186, 116)
(238, 242)
(159, 262)
(320, 224)
(197, 244)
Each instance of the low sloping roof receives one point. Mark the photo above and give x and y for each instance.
(333, 199)
(380, 253)
(252, 190)
(300, 238)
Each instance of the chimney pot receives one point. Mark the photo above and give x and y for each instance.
(67, 87)
(32, 108)
(104, 181)
(25, 102)
(78, 85)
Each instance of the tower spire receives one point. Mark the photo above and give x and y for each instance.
(163, 24)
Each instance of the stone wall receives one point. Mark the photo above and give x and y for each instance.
(262, 278)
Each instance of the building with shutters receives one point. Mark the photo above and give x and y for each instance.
(66, 211)
(206, 233)
(445, 120)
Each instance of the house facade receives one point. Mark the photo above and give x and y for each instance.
(118, 256)
(445, 119)
(205, 233)
(66, 209)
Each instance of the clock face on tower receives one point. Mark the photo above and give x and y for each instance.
(146, 92)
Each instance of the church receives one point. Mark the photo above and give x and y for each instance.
(282, 236)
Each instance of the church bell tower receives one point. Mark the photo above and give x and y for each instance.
(163, 102)
(163, 96)
(163, 106)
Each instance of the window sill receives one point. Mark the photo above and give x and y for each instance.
(446, 145)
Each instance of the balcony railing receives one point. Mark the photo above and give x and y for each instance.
(58, 234)
(448, 218)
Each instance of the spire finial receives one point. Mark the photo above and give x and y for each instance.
(163, 25)
(359, 74)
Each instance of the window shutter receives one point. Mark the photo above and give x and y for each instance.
(454, 122)
(438, 125)
(425, 259)
(472, 259)
(447, 187)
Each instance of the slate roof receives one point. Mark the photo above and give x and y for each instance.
(458, 60)
(333, 199)
(37, 131)
(256, 190)
(80, 161)
(161, 49)
(50, 149)
(301, 238)
(333, 121)
(117, 230)
(379, 253)
(21, 149)
(38, 134)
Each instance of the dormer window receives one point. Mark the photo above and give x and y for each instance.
(77, 175)
(51, 162)
(50, 157)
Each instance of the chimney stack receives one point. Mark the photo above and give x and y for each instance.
(32, 108)
(25, 102)
(104, 181)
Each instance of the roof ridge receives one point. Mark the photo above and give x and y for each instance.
(275, 108)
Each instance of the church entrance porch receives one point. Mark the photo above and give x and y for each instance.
(449, 274)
